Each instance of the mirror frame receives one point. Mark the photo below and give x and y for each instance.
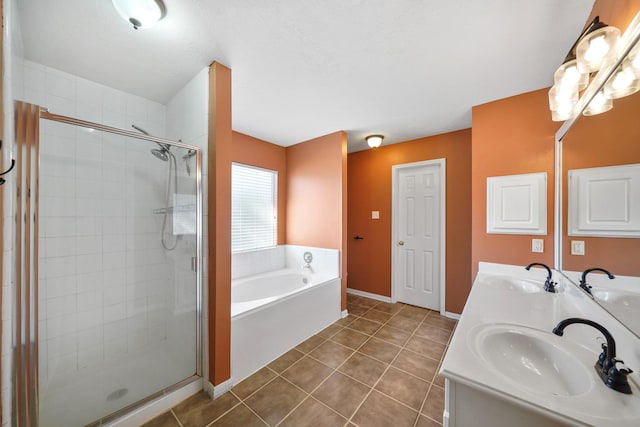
(614, 59)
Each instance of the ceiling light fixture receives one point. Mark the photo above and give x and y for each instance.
(585, 58)
(141, 13)
(374, 141)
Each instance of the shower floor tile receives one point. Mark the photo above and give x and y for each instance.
(354, 373)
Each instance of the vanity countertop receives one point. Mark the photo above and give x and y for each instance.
(523, 310)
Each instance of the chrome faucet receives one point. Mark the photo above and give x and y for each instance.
(583, 280)
(549, 285)
(307, 257)
(605, 366)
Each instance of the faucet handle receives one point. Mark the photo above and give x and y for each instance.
(624, 370)
(550, 286)
(617, 378)
(602, 358)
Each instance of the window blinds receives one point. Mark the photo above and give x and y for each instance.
(253, 207)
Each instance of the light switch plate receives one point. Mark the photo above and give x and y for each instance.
(375, 214)
(577, 247)
(537, 245)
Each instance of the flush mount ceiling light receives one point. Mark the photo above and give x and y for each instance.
(141, 13)
(374, 141)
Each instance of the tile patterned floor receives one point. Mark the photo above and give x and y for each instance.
(376, 367)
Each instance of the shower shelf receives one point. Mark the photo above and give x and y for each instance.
(179, 208)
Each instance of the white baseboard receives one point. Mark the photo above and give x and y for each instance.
(208, 388)
(344, 314)
(221, 388)
(450, 315)
(368, 295)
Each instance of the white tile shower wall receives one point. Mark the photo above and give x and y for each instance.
(13, 57)
(103, 276)
(187, 120)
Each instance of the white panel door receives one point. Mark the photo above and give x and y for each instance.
(417, 234)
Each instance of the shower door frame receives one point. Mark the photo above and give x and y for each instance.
(33, 378)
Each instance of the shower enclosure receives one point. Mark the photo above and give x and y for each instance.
(108, 254)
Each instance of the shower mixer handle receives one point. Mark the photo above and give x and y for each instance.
(307, 257)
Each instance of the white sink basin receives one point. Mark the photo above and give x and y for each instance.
(513, 284)
(531, 359)
(623, 305)
(616, 297)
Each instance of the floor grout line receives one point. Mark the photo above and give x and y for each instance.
(324, 338)
(389, 365)
(175, 416)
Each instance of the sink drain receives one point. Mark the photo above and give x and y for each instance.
(117, 394)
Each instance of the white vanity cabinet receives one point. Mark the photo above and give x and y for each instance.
(505, 367)
(472, 406)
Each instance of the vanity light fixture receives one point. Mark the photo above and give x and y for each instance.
(585, 58)
(593, 47)
(141, 13)
(374, 141)
(599, 104)
(625, 79)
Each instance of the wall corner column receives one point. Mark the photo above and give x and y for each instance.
(219, 223)
(344, 243)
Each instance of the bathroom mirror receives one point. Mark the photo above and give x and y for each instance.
(605, 140)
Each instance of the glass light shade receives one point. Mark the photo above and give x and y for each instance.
(633, 60)
(561, 102)
(594, 47)
(599, 104)
(567, 75)
(140, 13)
(562, 98)
(374, 141)
(623, 82)
(558, 116)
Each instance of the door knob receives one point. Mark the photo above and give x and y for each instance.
(401, 242)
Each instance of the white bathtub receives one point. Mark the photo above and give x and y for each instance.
(275, 311)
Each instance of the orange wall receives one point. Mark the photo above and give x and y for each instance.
(370, 188)
(607, 139)
(219, 223)
(316, 195)
(256, 152)
(618, 13)
(510, 136)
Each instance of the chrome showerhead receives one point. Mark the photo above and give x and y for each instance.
(160, 153)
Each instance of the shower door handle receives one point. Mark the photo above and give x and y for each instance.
(194, 264)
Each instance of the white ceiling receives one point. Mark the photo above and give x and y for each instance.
(303, 68)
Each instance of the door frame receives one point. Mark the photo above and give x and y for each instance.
(395, 170)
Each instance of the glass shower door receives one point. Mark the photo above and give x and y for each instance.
(118, 288)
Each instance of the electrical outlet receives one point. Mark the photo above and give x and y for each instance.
(375, 214)
(577, 247)
(537, 245)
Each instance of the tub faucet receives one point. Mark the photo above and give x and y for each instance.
(307, 257)
(583, 280)
(605, 366)
(549, 285)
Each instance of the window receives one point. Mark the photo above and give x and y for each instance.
(254, 208)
